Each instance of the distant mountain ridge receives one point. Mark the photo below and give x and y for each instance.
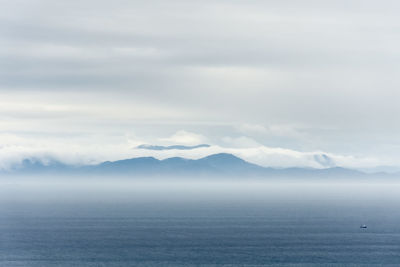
(217, 164)
(222, 164)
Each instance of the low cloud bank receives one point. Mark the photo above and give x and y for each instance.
(14, 149)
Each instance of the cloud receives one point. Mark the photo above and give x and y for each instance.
(185, 138)
(252, 128)
(94, 149)
(304, 76)
(239, 142)
(324, 160)
(281, 130)
(173, 147)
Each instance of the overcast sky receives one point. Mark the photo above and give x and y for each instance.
(275, 82)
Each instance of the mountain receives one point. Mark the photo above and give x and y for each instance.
(382, 169)
(222, 164)
(178, 147)
(35, 166)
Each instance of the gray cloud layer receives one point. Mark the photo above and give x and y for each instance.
(309, 75)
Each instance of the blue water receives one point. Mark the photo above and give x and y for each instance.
(201, 232)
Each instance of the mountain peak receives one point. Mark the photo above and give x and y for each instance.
(223, 157)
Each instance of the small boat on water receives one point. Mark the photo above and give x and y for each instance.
(363, 226)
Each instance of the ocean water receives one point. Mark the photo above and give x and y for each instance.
(192, 225)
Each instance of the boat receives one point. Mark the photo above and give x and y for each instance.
(363, 226)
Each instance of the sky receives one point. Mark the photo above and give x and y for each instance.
(278, 83)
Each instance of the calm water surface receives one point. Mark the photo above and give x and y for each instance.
(260, 226)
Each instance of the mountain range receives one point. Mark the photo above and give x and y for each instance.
(222, 164)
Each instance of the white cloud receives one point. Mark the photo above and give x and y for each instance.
(95, 149)
(281, 130)
(239, 142)
(184, 138)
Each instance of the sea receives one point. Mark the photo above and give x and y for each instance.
(111, 222)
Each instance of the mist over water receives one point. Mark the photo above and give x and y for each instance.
(265, 192)
(111, 221)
